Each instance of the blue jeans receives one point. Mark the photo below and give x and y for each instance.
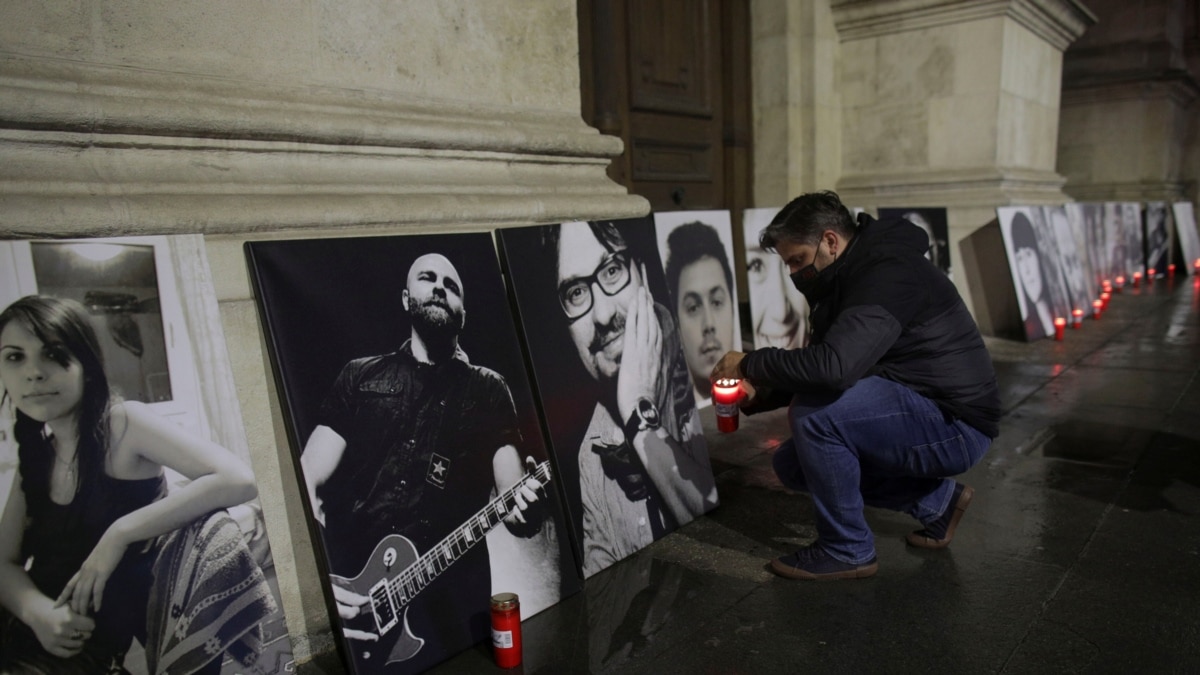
(877, 443)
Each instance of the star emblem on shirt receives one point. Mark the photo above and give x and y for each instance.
(439, 469)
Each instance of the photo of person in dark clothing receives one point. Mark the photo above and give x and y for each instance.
(893, 397)
(418, 455)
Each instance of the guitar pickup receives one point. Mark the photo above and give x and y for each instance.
(383, 608)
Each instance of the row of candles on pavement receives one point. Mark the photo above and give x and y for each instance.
(1101, 303)
(727, 392)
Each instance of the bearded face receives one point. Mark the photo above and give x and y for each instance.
(434, 297)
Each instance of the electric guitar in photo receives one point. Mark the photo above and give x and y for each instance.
(395, 573)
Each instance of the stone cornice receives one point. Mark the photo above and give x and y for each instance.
(1058, 22)
(74, 97)
(987, 186)
(1177, 86)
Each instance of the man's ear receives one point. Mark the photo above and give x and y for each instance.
(404, 299)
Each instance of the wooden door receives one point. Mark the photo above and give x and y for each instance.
(671, 79)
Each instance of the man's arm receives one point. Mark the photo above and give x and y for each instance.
(876, 307)
(682, 479)
(321, 456)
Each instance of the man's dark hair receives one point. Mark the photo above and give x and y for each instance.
(690, 243)
(605, 232)
(805, 218)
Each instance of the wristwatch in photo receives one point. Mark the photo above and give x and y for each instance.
(644, 416)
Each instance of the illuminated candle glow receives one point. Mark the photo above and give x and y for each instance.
(1171, 271)
(1097, 305)
(1060, 325)
(1120, 283)
(1104, 298)
(1076, 318)
(1137, 279)
(726, 393)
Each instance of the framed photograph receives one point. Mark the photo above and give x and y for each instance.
(410, 412)
(1087, 221)
(778, 312)
(935, 223)
(612, 380)
(1072, 258)
(134, 323)
(1158, 237)
(1034, 259)
(696, 248)
(1189, 239)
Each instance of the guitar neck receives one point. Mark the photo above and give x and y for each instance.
(424, 570)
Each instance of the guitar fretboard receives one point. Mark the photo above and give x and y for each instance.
(398, 591)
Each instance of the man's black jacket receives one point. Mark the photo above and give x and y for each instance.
(883, 309)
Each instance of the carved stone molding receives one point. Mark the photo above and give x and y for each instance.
(1142, 191)
(1058, 22)
(1177, 86)
(93, 150)
(964, 187)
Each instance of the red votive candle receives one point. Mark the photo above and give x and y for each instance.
(1120, 284)
(1076, 318)
(726, 393)
(1150, 274)
(1104, 298)
(1137, 279)
(1196, 264)
(1060, 325)
(506, 629)
(1171, 271)
(1107, 285)
(1097, 305)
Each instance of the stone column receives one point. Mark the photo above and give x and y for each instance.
(297, 118)
(1129, 108)
(797, 115)
(953, 104)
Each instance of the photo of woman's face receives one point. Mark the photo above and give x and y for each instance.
(45, 383)
(705, 309)
(1030, 271)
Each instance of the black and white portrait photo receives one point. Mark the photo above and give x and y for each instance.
(1087, 224)
(696, 248)
(410, 410)
(1072, 258)
(613, 381)
(934, 222)
(1033, 259)
(778, 312)
(1158, 239)
(1189, 238)
(132, 539)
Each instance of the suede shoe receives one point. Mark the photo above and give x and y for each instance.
(937, 534)
(814, 564)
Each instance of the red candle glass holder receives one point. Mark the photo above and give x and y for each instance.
(1076, 318)
(726, 393)
(1119, 284)
(1171, 271)
(1104, 298)
(1060, 325)
(506, 629)
(1097, 305)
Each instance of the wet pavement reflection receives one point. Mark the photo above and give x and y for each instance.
(1080, 553)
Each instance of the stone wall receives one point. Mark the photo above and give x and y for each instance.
(246, 120)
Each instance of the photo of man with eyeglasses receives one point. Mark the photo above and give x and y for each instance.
(642, 460)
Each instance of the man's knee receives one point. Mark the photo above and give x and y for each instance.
(786, 463)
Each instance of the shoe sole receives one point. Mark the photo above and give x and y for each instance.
(790, 572)
(960, 507)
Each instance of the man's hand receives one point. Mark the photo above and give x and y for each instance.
(349, 606)
(729, 367)
(641, 353)
(525, 496)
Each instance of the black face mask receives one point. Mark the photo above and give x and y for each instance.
(806, 279)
